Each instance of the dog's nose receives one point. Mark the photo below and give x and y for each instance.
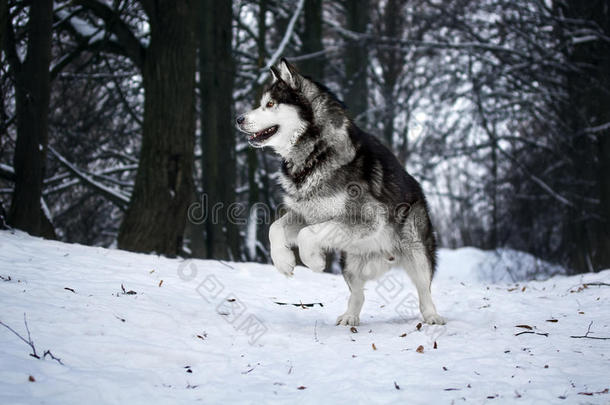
(240, 120)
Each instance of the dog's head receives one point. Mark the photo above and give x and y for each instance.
(285, 113)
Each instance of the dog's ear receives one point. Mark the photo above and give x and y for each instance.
(289, 73)
(275, 74)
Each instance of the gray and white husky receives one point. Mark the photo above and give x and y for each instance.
(344, 191)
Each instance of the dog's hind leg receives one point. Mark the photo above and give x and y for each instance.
(352, 273)
(419, 268)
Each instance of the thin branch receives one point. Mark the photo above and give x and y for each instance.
(599, 284)
(28, 341)
(313, 55)
(599, 128)
(9, 45)
(133, 47)
(111, 170)
(7, 172)
(48, 353)
(532, 332)
(536, 179)
(264, 72)
(117, 86)
(586, 335)
(280, 49)
(116, 197)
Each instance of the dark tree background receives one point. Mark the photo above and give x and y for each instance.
(117, 117)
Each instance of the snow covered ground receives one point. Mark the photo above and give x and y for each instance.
(133, 328)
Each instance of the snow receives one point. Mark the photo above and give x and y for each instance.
(501, 266)
(584, 38)
(81, 26)
(220, 321)
(7, 168)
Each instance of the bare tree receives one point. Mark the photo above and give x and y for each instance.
(156, 217)
(357, 60)
(32, 92)
(217, 131)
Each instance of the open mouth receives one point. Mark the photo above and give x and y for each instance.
(263, 135)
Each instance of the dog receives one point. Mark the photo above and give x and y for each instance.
(344, 191)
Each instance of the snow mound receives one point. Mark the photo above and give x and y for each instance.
(133, 328)
(497, 266)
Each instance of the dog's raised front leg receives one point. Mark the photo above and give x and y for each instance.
(282, 235)
(314, 239)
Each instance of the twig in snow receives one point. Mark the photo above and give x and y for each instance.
(48, 353)
(125, 292)
(225, 264)
(586, 335)
(30, 342)
(532, 332)
(315, 331)
(587, 285)
(300, 304)
(598, 284)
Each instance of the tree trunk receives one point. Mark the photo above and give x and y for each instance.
(590, 107)
(356, 61)
(217, 131)
(156, 217)
(391, 62)
(312, 40)
(252, 154)
(3, 22)
(32, 94)
(253, 192)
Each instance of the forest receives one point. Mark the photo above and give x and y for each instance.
(117, 117)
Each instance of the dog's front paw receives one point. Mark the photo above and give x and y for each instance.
(311, 255)
(348, 319)
(434, 319)
(284, 261)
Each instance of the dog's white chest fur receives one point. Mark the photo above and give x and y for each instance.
(318, 209)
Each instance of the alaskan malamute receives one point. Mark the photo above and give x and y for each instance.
(344, 190)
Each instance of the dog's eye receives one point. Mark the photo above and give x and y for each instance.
(269, 104)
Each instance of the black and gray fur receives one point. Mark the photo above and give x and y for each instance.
(344, 191)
